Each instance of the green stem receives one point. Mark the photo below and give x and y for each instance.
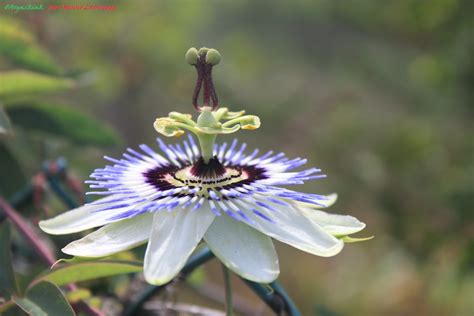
(228, 291)
(6, 306)
(206, 142)
(30, 234)
(200, 257)
(275, 296)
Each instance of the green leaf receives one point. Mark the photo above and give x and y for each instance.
(18, 83)
(8, 285)
(62, 121)
(19, 46)
(78, 295)
(43, 299)
(5, 125)
(12, 176)
(89, 270)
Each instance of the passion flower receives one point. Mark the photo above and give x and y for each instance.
(234, 201)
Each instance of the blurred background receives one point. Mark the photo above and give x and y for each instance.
(378, 94)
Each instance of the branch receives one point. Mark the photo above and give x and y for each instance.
(31, 236)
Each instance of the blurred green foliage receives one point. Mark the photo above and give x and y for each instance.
(379, 94)
(63, 121)
(20, 47)
(21, 83)
(8, 283)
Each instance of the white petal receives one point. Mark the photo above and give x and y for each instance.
(82, 218)
(243, 250)
(335, 224)
(174, 237)
(113, 238)
(292, 227)
(331, 199)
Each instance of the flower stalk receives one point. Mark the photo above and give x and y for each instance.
(31, 236)
(228, 291)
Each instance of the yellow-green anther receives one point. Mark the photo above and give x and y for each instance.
(224, 114)
(171, 127)
(206, 127)
(183, 118)
(213, 57)
(167, 127)
(233, 115)
(220, 113)
(249, 122)
(191, 56)
(220, 130)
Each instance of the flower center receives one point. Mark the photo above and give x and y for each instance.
(212, 180)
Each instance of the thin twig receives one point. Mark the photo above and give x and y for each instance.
(228, 291)
(215, 293)
(187, 309)
(31, 236)
(6, 306)
(195, 261)
(275, 296)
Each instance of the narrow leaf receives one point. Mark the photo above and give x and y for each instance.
(89, 270)
(5, 125)
(18, 45)
(44, 299)
(8, 285)
(62, 121)
(12, 176)
(78, 295)
(18, 83)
